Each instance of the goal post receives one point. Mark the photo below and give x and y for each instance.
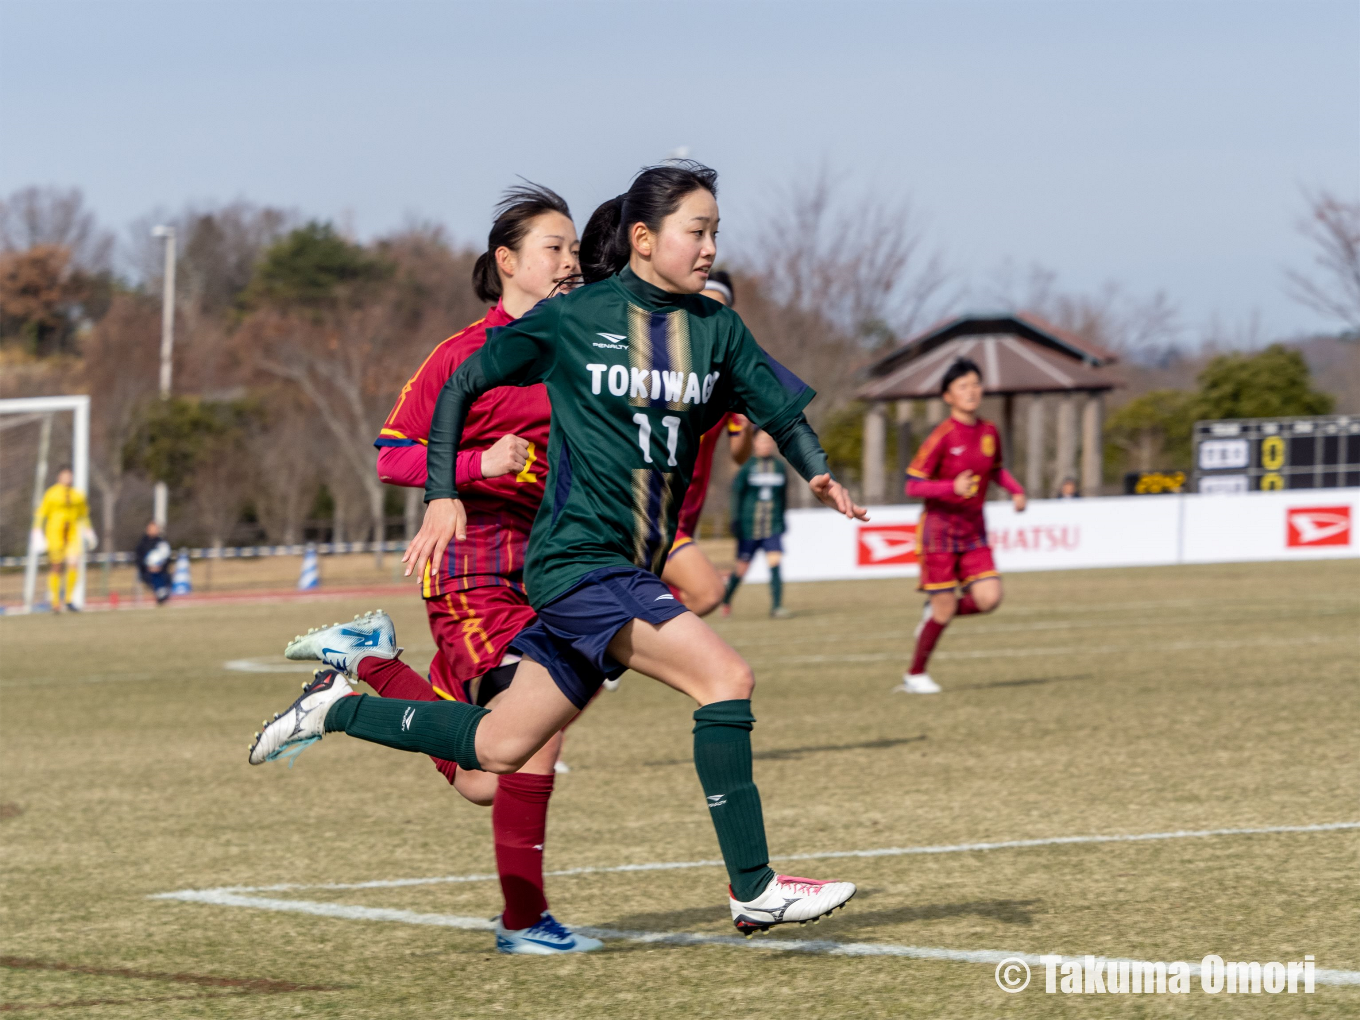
(22, 410)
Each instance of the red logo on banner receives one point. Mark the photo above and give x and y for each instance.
(887, 545)
(1317, 525)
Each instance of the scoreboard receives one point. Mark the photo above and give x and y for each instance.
(1260, 454)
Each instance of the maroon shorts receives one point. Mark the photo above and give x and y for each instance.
(471, 631)
(946, 571)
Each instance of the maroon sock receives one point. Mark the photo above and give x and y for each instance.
(925, 644)
(392, 678)
(967, 607)
(519, 819)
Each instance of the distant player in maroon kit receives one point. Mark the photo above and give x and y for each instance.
(476, 603)
(951, 472)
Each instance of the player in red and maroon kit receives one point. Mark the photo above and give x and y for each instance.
(951, 472)
(476, 603)
(688, 571)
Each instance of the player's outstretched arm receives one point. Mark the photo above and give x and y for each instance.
(834, 495)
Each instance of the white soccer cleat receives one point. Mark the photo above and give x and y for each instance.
(342, 645)
(917, 683)
(547, 938)
(926, 614)
(303, 722)
(787, 899)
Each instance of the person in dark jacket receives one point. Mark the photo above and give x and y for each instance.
(153, 562)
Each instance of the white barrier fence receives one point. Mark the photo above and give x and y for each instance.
(1071, 534)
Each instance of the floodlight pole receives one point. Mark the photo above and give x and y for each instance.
(167, 347)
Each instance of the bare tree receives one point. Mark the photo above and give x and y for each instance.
(1333, 226)
(54, 216)
(285, 450)
(858, 262)
(120, 373)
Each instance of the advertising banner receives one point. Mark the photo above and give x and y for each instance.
(1072, 534)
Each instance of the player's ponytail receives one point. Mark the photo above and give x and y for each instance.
(655, 193)
(516, 210)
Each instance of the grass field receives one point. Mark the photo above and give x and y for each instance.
(1107, 703)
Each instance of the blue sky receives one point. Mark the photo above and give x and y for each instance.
(1161, 145)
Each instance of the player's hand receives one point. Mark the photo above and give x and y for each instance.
(833, 494)
(445, 520)
(507, 456)
(1018, 501)
(965, 483)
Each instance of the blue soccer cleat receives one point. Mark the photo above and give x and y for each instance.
(547, 938)
(342, 645)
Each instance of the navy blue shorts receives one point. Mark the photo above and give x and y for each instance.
(748, 547)
(571, 636)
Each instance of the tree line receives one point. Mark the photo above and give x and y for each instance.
(292, 341)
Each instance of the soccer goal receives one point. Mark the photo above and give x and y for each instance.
(41, 411)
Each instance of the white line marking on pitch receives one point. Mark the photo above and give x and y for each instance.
(993, 653)
(892, 851)
(825, 947)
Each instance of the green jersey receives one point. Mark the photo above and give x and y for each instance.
(635, 376)
(759, 491)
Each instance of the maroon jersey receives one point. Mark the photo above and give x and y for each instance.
(500, 511)
(688, 522)
(953, 523)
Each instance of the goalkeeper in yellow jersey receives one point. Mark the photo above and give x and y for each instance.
(62, 524)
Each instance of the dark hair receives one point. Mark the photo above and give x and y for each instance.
(514, 212)
(723, 277)
(960, 368)
(655, 193)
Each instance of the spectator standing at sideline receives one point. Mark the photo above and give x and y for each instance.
(153, 562)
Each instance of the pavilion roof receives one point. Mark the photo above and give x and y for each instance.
(1010, 363)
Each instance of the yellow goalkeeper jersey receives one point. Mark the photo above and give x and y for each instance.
(61, 514)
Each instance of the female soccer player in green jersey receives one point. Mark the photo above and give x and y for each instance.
(637, 366)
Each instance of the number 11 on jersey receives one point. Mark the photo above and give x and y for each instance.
(672, 426)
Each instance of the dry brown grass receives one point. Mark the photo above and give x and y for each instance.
(1101, 702)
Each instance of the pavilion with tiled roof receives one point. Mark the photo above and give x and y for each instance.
(1021, 356)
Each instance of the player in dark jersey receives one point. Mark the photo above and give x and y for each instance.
(637, 367)
(688, 571)
(951, 472)
(476, 602)
(759, 492)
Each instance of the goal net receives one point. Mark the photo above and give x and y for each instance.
(33, 432)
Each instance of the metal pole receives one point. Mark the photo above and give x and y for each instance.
(39, 487)
(167, 348)
(80, 468)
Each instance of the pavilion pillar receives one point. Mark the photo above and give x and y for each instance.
(1034, 448)
(936, 411)
(1065, 463)
(1092, 444)
(1008, 431)
(904, 416)
(875, 450)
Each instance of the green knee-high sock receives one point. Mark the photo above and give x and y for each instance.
(776, 588)
(444, 729)
(722, 757)
(733, 579)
